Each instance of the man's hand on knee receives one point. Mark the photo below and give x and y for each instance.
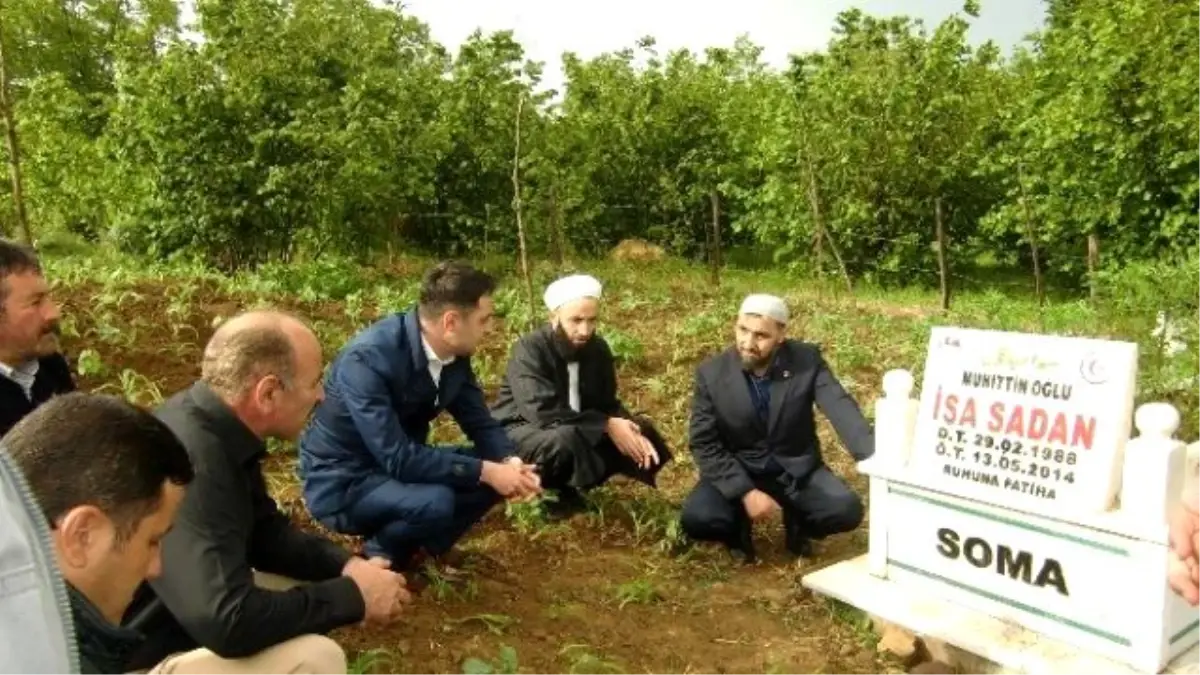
(759, 505)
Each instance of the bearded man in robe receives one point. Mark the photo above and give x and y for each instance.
(559, 404)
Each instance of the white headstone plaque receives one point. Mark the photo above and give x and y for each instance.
(1024, 421)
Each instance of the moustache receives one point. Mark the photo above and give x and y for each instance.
(53, 328)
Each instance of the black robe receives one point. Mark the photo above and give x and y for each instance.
(570, 448)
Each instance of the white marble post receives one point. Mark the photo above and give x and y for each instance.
(1154, 466)
(895, 421)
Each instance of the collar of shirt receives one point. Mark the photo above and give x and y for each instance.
(240, 442)
(24, 375)
(435, 362)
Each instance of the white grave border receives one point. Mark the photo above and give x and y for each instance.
(1160, 624)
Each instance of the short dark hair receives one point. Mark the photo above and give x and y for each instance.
(15, 259)
(78, 449)
(453, 285)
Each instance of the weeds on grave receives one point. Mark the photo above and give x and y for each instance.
(496, 624)
(640, 591)
(367, 661)
(135, 387)
(858, 621)
(581, 659)
(506, 662)
(445, 587)
(531, 517)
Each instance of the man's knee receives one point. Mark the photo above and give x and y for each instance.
(307, 655)
(550, 449)
(311, 654)
(438, 507)
(698, 525)
(303, 654)
(701, 522)
(845, 513)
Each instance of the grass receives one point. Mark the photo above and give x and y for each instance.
(592, 594)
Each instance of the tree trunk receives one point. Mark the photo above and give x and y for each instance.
(487, 227)
(814, 204)
(1039, 288)
(14, 146)
(714, 253)
(516, 204)
(560, 244)
(943, 272)
(1093, 262)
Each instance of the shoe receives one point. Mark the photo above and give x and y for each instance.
(570, 501)
(413, 571)
(798, 543)
(741, 547)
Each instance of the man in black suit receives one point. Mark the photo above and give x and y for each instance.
(31, 367)
(754, 438)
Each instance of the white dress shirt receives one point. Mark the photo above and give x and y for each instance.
(573, 385)
(24, 375)
(436, 364)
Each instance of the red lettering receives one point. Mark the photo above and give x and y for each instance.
(1085, 432)
(1058, 430)
(968, 415)
(1037, 424)
(937, 403)
(996, 423)
(1016, 422)
(951, 409)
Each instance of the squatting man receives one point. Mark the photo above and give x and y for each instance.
(754, 438)
(558, 402)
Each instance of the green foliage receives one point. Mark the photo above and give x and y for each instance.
(336, 130)
(506, 663)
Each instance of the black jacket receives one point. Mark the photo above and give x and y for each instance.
(227, 527)
(53, 377)
(103, 647)
(728, 437)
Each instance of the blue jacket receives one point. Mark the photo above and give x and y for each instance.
(374, 422)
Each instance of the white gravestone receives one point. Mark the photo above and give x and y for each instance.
(998, 492)
(1025, 421)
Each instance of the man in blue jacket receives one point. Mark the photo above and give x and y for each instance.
(364, 459)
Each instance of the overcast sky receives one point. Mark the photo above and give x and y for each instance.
(547, 28)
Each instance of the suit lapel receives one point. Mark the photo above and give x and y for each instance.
(782, 376)
(739, 390)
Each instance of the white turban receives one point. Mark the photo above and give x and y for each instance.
(569, 289)
(765, 305)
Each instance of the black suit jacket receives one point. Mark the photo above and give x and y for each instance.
(53, 378)
(726, 432)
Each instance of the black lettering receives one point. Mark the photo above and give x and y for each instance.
(949, 545)
(978, 552)
(1014, 564)
(1021, 567)
(1052, 575)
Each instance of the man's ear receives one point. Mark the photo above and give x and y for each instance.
(266, 392)
(81, 533)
